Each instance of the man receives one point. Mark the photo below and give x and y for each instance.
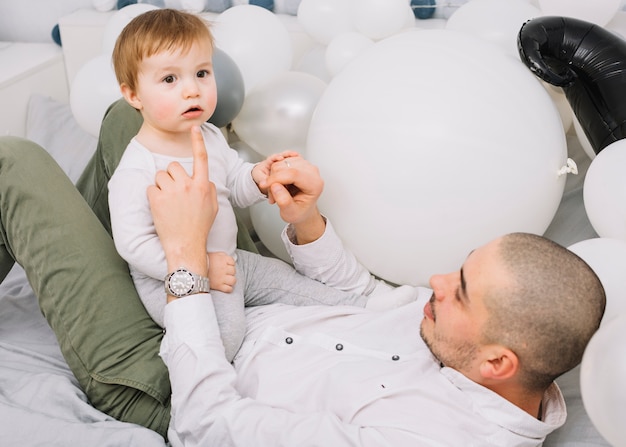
(470, 362)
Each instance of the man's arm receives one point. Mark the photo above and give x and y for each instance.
(316, 251)
(184, 209)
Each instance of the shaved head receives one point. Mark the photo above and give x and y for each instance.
(549, 309)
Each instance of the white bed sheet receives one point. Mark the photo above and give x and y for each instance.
(40, 400)
(42, 404)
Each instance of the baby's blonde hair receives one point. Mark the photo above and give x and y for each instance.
(152, 32)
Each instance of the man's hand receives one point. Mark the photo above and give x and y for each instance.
(184, 209)
(262, 170)
(295, 185)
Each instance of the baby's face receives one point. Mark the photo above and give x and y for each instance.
(176, 90)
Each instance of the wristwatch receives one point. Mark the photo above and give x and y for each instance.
(182, 282)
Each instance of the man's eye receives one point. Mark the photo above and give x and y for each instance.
(169, 79)
(203, 73)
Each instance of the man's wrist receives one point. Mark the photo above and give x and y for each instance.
(183, 282)
(310, 230)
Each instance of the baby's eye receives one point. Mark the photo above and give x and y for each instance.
(203, 73)
(169, 79)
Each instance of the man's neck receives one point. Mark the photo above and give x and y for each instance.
(530, 402)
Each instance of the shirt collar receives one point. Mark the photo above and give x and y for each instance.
(495, 408)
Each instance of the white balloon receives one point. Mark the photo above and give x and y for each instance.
(562, 105)
(607, 257)
(343, 48)
(246, 153)
(378, 19)
(276, 114)
(104, 5)
(324, 19)
(432, 143)
(602, 384)
(117, 22)
(256, 40)
(604, 191)
(582, 138)
(597, 11)
(313, 62)
(93, 90)
(268, 225)
(497, 21)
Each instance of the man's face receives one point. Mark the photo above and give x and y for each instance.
(456, 313)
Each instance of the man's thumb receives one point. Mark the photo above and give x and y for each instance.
(280, 194)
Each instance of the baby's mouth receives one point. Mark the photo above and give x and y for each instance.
(193, 112)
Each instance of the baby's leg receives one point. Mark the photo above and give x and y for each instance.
(230, 318)
(268, 280)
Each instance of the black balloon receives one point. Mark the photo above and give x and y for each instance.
(230, 89)
(589, 63)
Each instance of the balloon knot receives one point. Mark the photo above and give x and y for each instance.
(569, 168)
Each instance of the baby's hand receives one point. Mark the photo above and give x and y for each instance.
(261, 170)
(221, 272)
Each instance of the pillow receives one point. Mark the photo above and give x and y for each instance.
(50, 124)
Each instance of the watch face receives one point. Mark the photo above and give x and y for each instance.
(181, 283)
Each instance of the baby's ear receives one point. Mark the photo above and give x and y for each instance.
(499, 363)
(130, 96)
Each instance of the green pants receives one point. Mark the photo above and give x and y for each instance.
(83, 287)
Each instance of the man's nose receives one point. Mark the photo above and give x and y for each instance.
(441, 285)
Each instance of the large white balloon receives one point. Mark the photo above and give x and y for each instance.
(93, 90)
(256, 40)
(602, 384)
(604, 191)
(324, 19)
(118, 21)
(276, 114)
(597, 11)
(432, 143)
(497, 21)
(607, 257)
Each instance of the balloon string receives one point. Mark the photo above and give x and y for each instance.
(569, 168)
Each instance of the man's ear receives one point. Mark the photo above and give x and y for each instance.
(130, 96)
(500, 363)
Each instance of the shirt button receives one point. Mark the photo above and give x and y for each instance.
(289, 340)
(339, 347)
(395, 357)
